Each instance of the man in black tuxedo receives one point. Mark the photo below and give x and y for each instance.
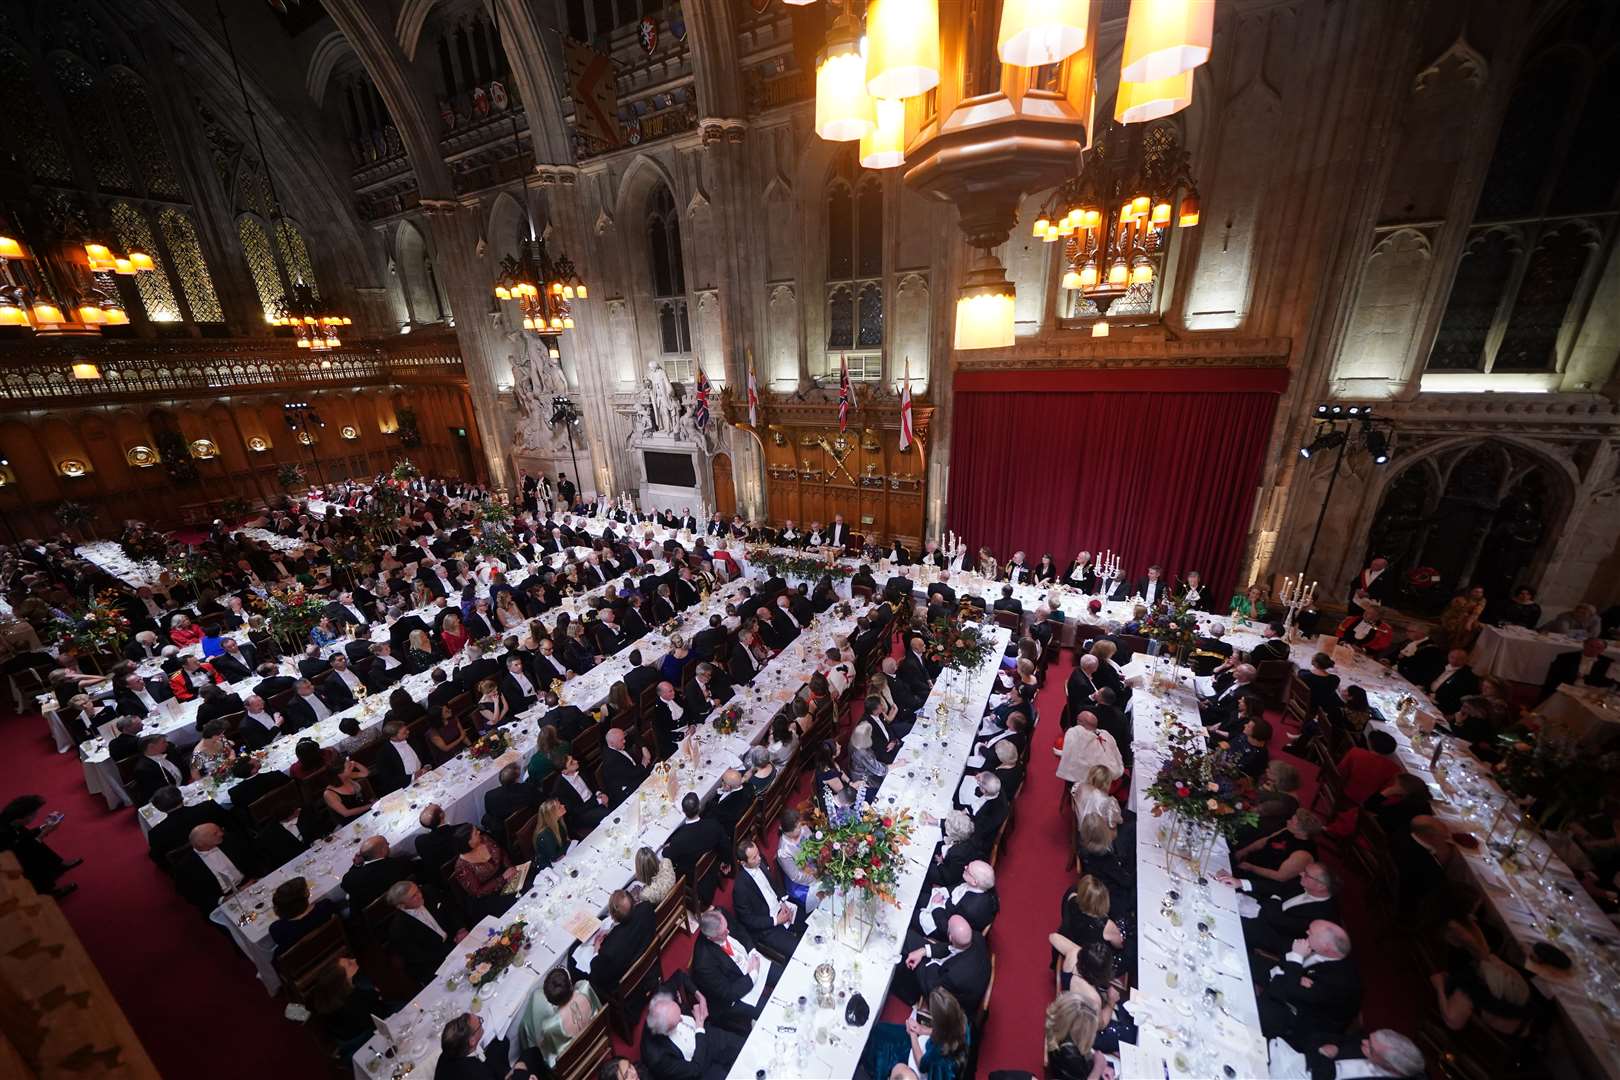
(271, 680)
(707, 640)
(517, 688)
(733, 980)
(143, 646)
(137, 697)
(1152, 588)
(312, 663)
(386, 669)
(459, 1057)
(374, 872)
(174, 830)
(975, 900)
(218, 862)
(474, 667)
(692, 839)
(1008, 602)
(213, 703)
(1385, 1052)
(127, 743)
(236, 662)
(1310, 1005)
(1371, 587)
(630, 930)
(398, 762)
(837, 534)
(423, 930)
(640, 676)
(668, 717)
(1287, 916)
(585, 806)
(252, 784)
(730, 802)
(915, 670)
(960, 963)
(776, 631)
(707, 690)
(762, 906)
(441, 842)
(1586, 666)
(740, 665)
(668, 1030)
(345, 609)
(306, 707)
(443, 693)
(1454, 682)
(622, 772)
(154, 770)
(548, 667)
(511, 794)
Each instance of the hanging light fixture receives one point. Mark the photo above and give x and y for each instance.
(984, 310)
(844, 110)
(902, 48)
(1138, 103)
(10, 248)
(884, 147)
(1122, 207)
(1165, 38)
(1038, 32)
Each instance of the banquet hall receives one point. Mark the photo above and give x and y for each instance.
(889, 539)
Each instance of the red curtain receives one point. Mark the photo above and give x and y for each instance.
(1161, 467)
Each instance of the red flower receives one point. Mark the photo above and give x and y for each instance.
(888, 823)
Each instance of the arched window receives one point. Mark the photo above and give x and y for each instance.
(1540, 237)
(87, 117)
(157, 294)
(854, 271)
(261, 263)
(272, 244)
(141, 131)
(667, 269)
(180, 237)
(25, 123)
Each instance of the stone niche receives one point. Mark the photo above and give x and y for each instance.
(673, 473)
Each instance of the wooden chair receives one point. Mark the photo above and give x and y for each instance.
(702, 870)
(587, 749)
(311, 787)
(649, 698)
(1272, 680)
(625, 1002)
(517, 830)
(277, 805)
(301, 964)
(126, 771)
(1136, 642)
(671, 913)
(865, 591)
(979, 1020)
(587, 1052)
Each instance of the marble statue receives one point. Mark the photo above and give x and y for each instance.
(661, 396)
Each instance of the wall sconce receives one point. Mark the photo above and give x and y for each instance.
(142, 457)
(348, 432)
(306, 438)
(204, 449)
(72, 467)
(258, 444)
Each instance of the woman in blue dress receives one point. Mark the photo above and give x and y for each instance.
(933, 1044)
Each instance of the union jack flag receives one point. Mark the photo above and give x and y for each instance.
(700, 417)
(846, 395)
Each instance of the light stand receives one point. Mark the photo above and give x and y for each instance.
(1331, 435)
(566, 413)
(302, 418)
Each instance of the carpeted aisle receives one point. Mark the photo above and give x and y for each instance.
(189, 993)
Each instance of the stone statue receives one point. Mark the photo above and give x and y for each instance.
(661, 396)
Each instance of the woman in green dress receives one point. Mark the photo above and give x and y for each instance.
(1250, 604)
(933, 1044)
(558, 1010)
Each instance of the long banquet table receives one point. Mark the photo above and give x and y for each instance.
(1519, 654)
(923, 779)
(577, 886)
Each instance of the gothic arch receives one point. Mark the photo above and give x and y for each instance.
(506, 220)
(644, 173)
(324, 59)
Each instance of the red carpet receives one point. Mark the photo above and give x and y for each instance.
(189, 993)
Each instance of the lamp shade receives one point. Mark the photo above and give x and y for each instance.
(115, 316)
(91, 315)
(141, 261)
(844, 110)
(902, 47)
(10, 248)
(12, 315)
(884, 146)
(1165, 38)
(98, 257)
(1037, 32)
(984, 321)
(1137, 103)
(1189, 212)
(46, 313)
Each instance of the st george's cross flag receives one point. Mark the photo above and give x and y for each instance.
(753, 396)
(846, 393)
(906, 434)
(700, 417)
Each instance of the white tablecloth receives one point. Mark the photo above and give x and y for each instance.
(1592, 713)
(1521, 655)
(923, 778)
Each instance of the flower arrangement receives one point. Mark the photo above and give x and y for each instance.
(194, 564)
(102, 628)
(491, 746)
(234, 508)
(859, 849)
(405, 471)
(493, 542)
(959, 645)
(783, 564)
(1202, 785)
(141, 544)
(499, 951)
(1551, 768)
(1173, 626)
(494, 511)
(291, 475)
(289, 615)
(74, 515)
(727, 719)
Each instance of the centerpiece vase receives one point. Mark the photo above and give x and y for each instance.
(854, 914)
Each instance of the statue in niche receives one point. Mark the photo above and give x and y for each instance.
(661, 398)
(536, 379)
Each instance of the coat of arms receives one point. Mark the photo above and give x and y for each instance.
(647, 34)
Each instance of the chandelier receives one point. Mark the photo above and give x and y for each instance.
(984, 137)
(542, 286)
(25, 303)
(312, 323)
(1114, 219)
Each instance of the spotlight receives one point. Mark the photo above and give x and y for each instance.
(1336, 410)
(1321, 410)
(1354, 410)
(1328, 440)
(1377, 445)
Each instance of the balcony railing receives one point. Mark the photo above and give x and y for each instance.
(42, 372)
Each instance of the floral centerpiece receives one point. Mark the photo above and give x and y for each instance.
(74, 515)
(855, 854)
(289, 615)
(103, 628)
(1550, 772)
(291, 476)
(142, 544)
(491, 746)
(494, 511)
(499, 951)
(493, 542)
(197, 566)
(785, 564)
(727, 719)
(959, 645)
(405, 471)
(1197, 785)
(1174, 626)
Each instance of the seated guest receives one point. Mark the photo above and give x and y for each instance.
(763, 908)
(1454, 682)
(482, 872)
(1586, 666)
(1385, 1052)
(1425, 859)
(1324, 690)
(1363, 772)
(1270, 865)
(668, 719)
(729, 804)
(958, 847)
(1398, 803)
(761, 771)
(1580, 622)
(975, 900)
(1275, 802)
(1083, 921)
(558, 1010)
(1085, 745)
(655, 876)
(864, 764)
(154, 769)
(310, 758)
(397, 763)
(960, 964)
(1522, 610)
(547, 742)
(800, 883)
(345, 1001)
(517, 690)
(730, 972)
(296, 914)
(1480, 986)
(1311, 996)
(1367, 632)
(178, 821)
(932, 1043)
(1272, 925)
(458, 1053)
(675, 1046)
(1220, 709)
(621, 773)
(548, 837)
(446, 735)
(374, 872)
(693, 838)
(585, 808)
(213, 755)
(1249, 751)
(218, 862)
(183, 633)
(629, 930)
(511, 795)
(422, 930)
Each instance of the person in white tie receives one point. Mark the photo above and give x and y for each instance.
(787, 612)
(1084, 745)
(341, 672)
(205, 842)
(312, 700)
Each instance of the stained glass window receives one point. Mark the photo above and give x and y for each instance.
(1531, 340)
(854, 269)
(157, 295)
(294, 255)
(24, 121)
(870, 335)
(261, 263)
(840, 319)
(1476, 294)
(142, 131)
(253, 190)
(91, 123)
(180, 237)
